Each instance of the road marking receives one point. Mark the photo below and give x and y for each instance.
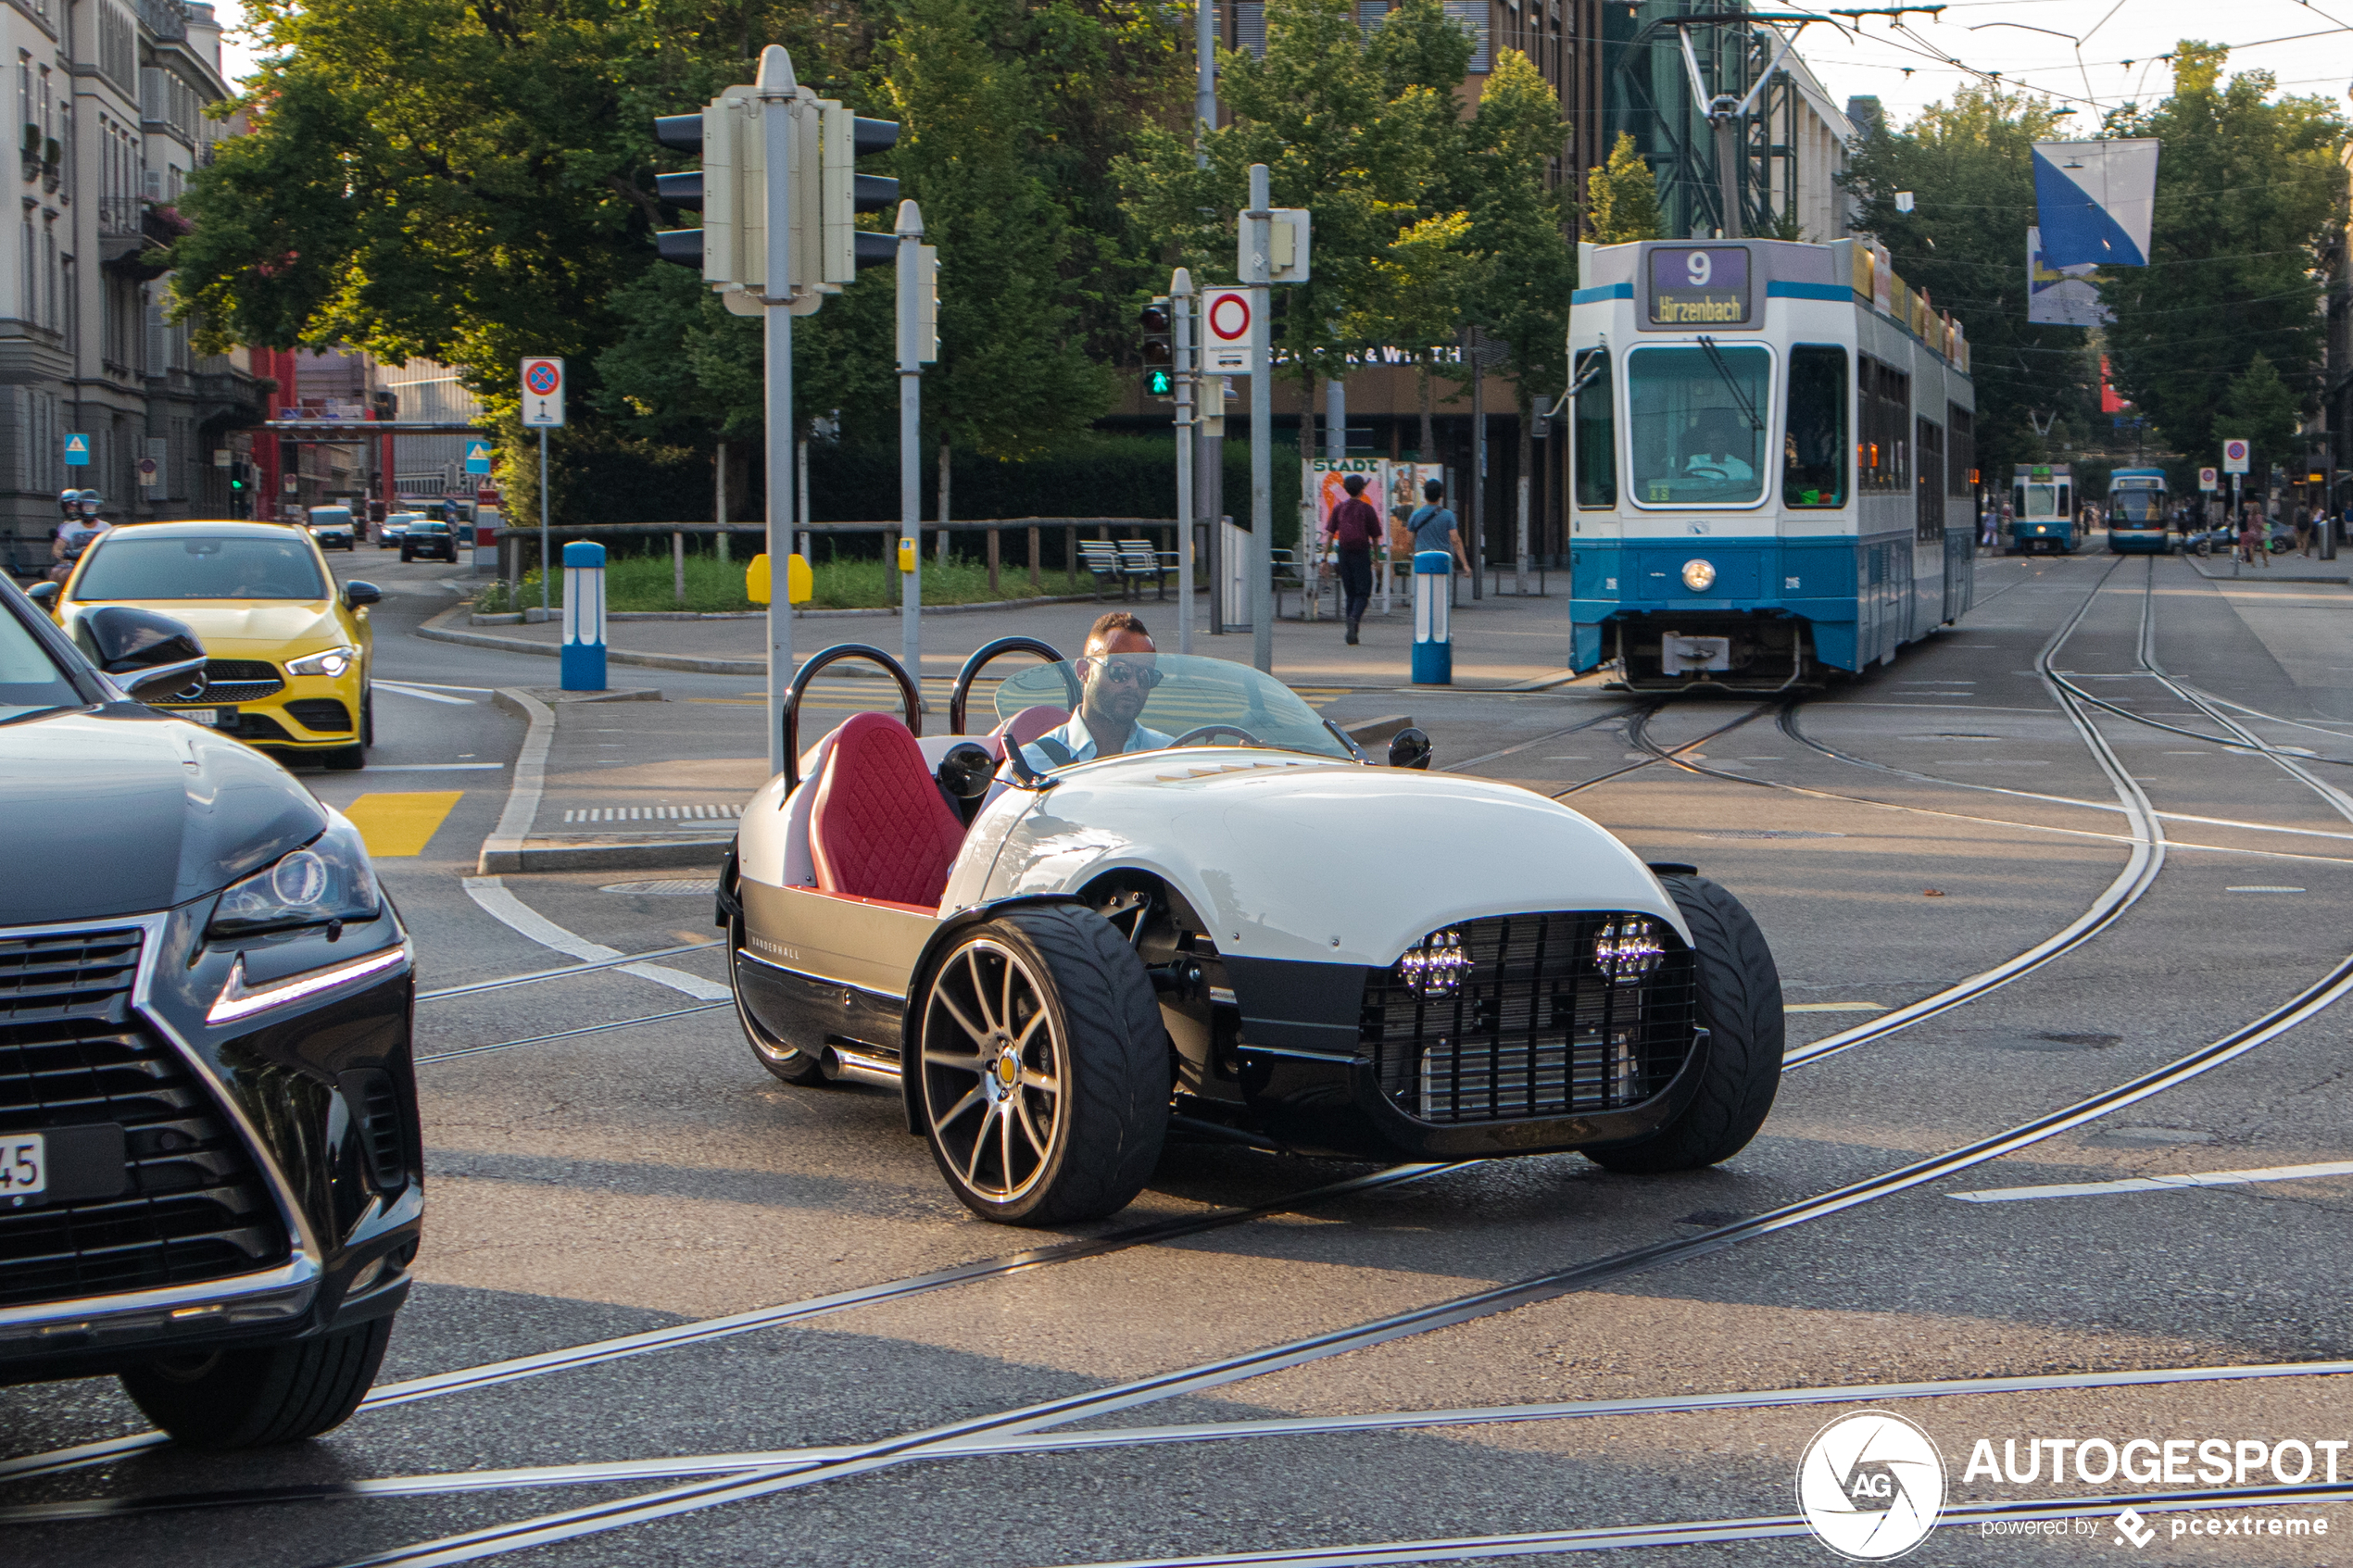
(1833, 1007)
(394, 825)
(2160, 1184)
(440, 686)
(422, 696)
(2262, 890)
(651, 813)
(433, 766)
(502, 905)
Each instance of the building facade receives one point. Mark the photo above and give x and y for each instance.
(110, 98)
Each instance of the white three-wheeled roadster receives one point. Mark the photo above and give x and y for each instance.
(1247, 932)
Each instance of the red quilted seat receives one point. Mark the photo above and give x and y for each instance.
(879, 827)
(1032, 721)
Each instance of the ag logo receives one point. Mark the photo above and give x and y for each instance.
(1871, 1485)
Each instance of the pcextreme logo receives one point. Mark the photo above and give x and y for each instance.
(1871, 1485)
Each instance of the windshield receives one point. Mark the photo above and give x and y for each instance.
(1181, 696)
(126, 565)
(2041, 500)
(29, 680)
(1694, 415)
(2138, 505)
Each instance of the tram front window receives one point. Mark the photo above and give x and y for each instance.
(1697, 420)
(2042, 501)
(2143, 507)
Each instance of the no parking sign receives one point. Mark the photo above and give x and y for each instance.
(2234, 457)
(543, 392)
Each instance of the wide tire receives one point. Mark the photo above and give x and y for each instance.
(791, 1064)
(250, 1399)
(1740, 1006)
(1042, 1067)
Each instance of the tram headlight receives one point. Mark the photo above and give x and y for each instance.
(1699, 576)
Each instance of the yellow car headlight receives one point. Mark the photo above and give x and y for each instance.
(326, 661)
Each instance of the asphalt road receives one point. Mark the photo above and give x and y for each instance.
(629, 1181)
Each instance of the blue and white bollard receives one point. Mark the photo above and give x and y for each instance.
(584, 652)
(1433, 640)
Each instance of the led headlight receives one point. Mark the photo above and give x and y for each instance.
(326, 661)
(1437, 966)
(1627, 949)
(327, 879)
(1699, 576)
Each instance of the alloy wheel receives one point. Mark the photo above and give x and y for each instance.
(993, 1058)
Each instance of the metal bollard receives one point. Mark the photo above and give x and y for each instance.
(1433, 638)
(583, 648)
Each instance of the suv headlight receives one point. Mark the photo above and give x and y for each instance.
(326, 661)
(327, 879)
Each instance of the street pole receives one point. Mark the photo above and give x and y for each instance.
(1204, 78)
(1208, 493)
(777, 90)
(1257, 256)
(911, 431)
(1475, 513)
(547, 562)
(1180, 305)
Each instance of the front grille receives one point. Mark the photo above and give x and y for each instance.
(72, 1054)
(240, 680)
(322, 713)
(1533, 1028)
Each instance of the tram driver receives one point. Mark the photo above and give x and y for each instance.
(1720, 445)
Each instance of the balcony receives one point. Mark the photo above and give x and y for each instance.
(131, 226)
(168, 20)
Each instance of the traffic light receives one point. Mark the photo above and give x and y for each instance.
(1160, 351)
(731, 192)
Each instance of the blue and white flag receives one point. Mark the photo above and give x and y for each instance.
(2094, 201)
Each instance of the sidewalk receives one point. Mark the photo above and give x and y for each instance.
(1500, 641)
(2282, 569)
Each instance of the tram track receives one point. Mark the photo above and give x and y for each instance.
(607, 1471)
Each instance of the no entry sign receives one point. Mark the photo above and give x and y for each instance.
(1226, 314)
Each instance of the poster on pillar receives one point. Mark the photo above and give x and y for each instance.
(1326, 485)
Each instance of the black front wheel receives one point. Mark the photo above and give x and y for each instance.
(1042, 1067)
(1740, 1006)
(251, 1398)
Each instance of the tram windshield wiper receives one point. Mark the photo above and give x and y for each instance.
(1716, 358)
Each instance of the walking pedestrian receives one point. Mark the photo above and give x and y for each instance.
(1433, 526)
(2251, 536)
(1987, 525)
(1354, 529)
(2303, 528)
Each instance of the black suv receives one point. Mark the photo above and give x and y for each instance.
(209, 1157)
(431, 538)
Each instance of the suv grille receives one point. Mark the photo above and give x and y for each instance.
(1533, 1027)
(193, 1207)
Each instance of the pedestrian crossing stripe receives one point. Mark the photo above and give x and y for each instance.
(652, 813)
(394, 826)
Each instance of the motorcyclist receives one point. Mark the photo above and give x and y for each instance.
(81, 524)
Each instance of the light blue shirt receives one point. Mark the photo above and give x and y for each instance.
(1079, 741)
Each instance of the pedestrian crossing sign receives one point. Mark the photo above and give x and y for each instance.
(77, 451)
(477, 456)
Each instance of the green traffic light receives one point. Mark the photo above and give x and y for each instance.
(1162, 383)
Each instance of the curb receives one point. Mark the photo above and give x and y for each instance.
(2263, 573)
(528, 857)
(502, 851)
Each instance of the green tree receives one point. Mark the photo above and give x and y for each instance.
(2263, 409)
(1969, 166)
(1621, 197)
(2250, 195)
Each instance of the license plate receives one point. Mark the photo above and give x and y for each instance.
(211, 718)
(24, 1165)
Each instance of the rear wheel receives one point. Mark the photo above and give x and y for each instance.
(248, 1398)
(1740, 1006)
(1042, 1067)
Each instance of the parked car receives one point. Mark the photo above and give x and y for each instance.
(393, 529)
(290, 651)
(209, 1154)
(429, 538)
(1059, 958)
(333, 528)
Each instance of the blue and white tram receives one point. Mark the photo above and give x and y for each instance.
(1773, 456)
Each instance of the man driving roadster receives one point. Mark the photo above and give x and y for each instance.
(1117, 672)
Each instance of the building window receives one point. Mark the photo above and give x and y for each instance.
(1596, 434)
(1250, 28)
(1472, 18)
(1814, 444)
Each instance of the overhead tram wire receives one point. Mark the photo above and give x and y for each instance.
(931, 1443)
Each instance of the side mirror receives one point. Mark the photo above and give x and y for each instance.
(355, 595)
(964, 772)
(150, 656)
(44, 594)
(1409, 748)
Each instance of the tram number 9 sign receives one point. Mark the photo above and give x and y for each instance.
(1699, 287)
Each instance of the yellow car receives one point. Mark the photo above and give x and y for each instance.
(288, 655)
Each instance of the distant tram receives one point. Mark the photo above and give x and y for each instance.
(1701, 368)
(2136, 505)
(2042, 508)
